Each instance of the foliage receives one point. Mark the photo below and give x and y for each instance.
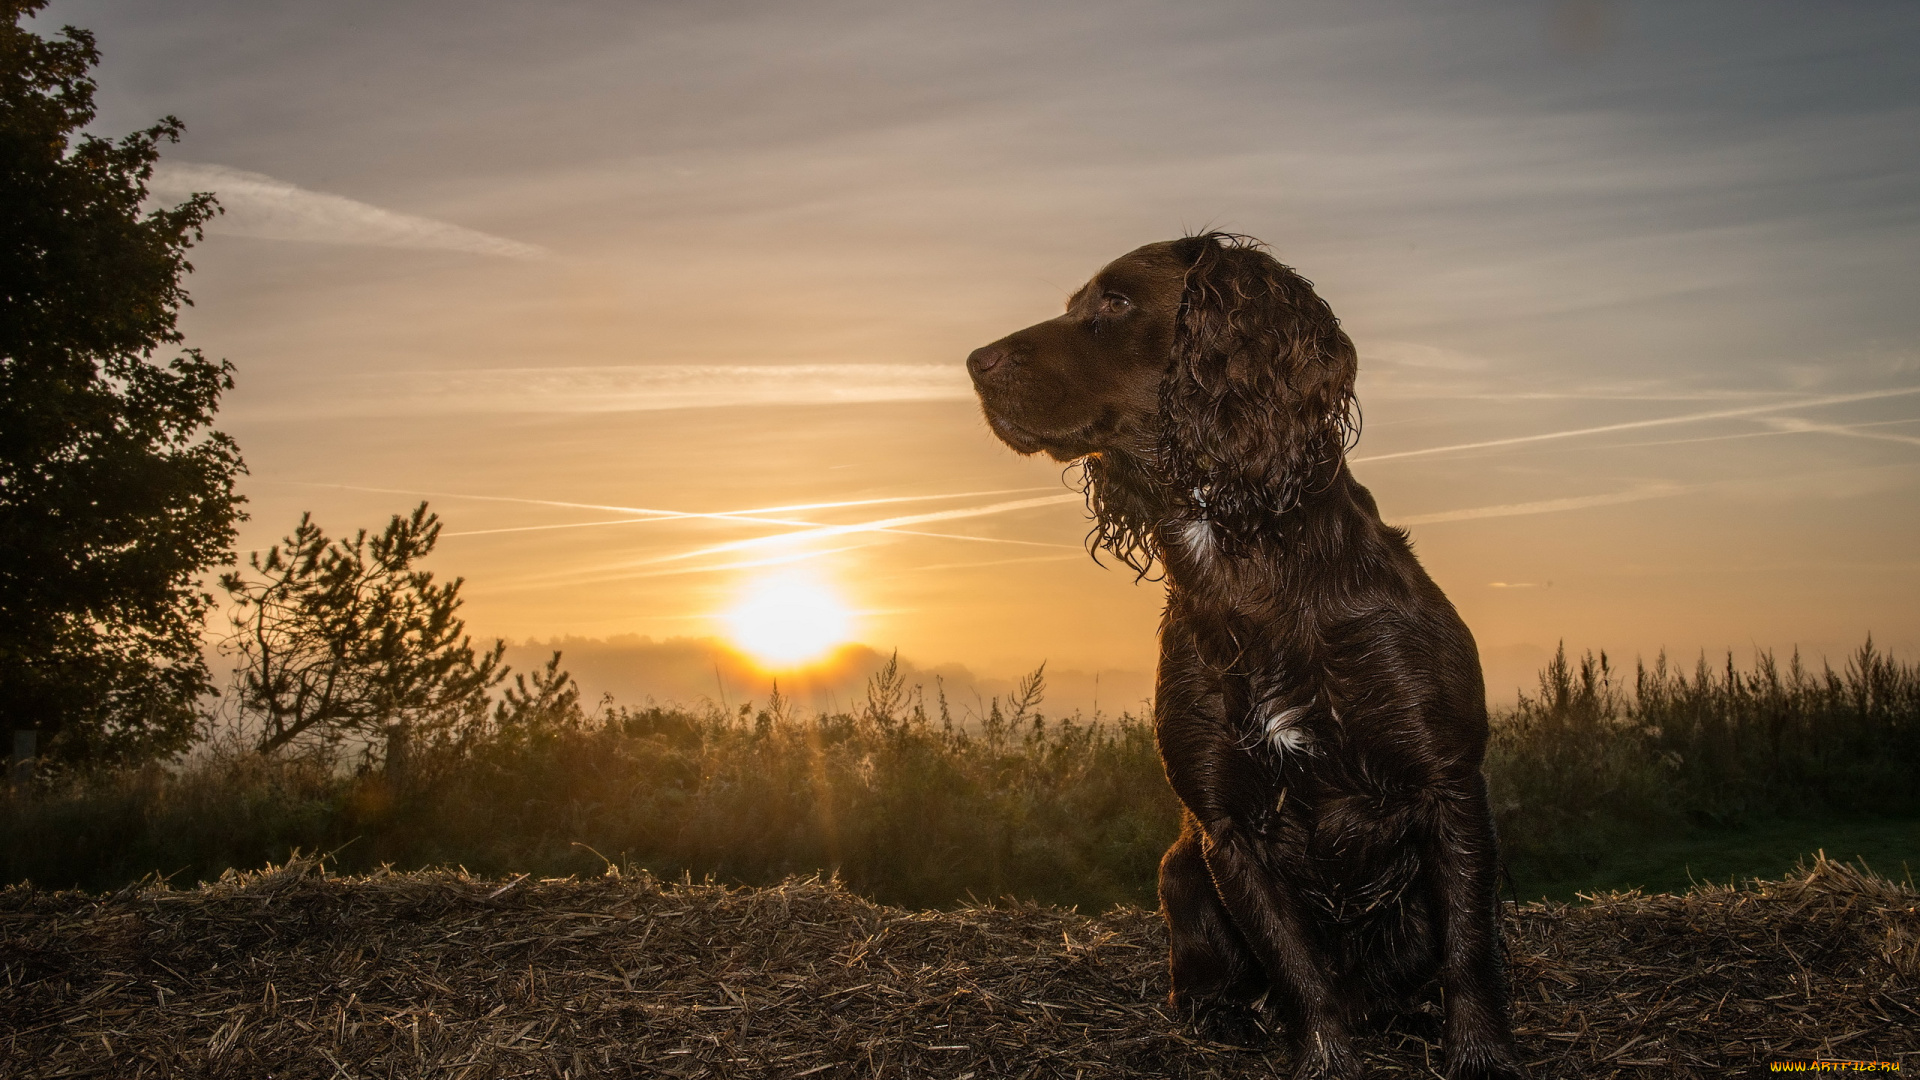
(1588, 766)
(900, 800)
(340, 639)
(912, 807)
(114, 494)
(547, 705)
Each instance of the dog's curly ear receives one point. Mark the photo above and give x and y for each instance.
(1258, 406)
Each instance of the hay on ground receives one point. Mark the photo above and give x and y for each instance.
(296, 973)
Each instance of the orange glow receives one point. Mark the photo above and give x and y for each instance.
(786, 620)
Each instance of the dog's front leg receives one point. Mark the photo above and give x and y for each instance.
(1267, 910)
(1227, 792)
(1462, 855)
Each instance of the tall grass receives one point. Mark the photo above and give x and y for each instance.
(912, 808)
(905, 807)
(1591, 764)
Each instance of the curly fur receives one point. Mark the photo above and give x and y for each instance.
(1126, 499)
(1257, 407)
(1319, 707)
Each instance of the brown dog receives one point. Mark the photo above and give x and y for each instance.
(1320, 709)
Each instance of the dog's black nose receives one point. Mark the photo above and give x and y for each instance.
(985, 359)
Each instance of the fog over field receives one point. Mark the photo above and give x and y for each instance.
(637, 670)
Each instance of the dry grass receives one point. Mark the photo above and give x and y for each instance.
(298, 973)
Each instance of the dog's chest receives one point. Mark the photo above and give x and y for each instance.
(1196, 558)
(1281, 713)
(1352, 856)
(1283, 733)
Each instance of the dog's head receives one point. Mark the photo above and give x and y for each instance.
(1196, 377)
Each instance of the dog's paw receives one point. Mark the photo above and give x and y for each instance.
(1421, 1022)
(1233, 1026)
(1321, 1058)
(1226, 1022)
(1484, 1061)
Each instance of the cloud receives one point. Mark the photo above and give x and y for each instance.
(730, 515)
(1417, 355)
(1722, 414)
(624, 389)
(755, 516)
(1546, 506)
(260, 206)
(1793, 425)
(653, 566)
(889, 524)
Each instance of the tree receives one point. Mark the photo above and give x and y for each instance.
(346, 639)
(115, 494)
(540, 705)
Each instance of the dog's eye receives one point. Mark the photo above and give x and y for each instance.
(1114, 304)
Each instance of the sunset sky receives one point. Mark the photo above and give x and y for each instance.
(1636, 289)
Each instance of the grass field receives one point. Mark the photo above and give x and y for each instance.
(1761, 850)
(1597, 782)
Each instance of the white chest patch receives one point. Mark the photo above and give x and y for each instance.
(1197, 537)
(1284, 733)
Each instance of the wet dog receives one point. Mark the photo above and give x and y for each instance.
(1319, 708)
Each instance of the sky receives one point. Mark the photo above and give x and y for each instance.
(1633, 287)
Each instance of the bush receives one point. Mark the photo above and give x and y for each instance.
(1587, 766)
(913, 809)
(905, 807)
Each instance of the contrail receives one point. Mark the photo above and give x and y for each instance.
(1420, 392)
(546, 581)
(748, 520)
(726, 515)
(1769, 434)
(884, 525)
(1548, 506)
(1721, 414)
(1788, 425)
(636, 388)
(754, 516)
(590, 524)
(892, 524)
(261, 206)
(668, 513)
(648, 513)
(990, 562)
(1650, 491)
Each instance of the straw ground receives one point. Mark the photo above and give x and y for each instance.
(295, 972)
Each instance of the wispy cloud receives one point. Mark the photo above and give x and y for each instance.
(1631, 425)
(1454, 391)
(878, 525)
(910, 571)
(754, 516)
(635, 388)
(782, 509)
(261, 206)
(716, 568)
(1548, 506)
(664, 565)
(1770, 433)
(649, 566)
(1789, 425)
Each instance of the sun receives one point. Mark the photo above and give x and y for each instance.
(788, 619)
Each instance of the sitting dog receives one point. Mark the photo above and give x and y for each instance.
(1319, 706)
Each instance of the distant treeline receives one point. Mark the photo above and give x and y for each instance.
(911, 808)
